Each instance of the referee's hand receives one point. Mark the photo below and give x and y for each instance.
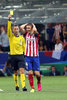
(9, 16)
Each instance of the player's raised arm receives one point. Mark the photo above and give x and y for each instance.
(22, 28)
(34, 29)
(9, 26)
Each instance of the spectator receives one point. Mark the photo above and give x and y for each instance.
(44, 34)
(8, 68)
(41, 46)
(65, 33)
(58, 28)
(65, 70)
(4, 42)
(45, 47)
(54, 72)
(50, 31)
(58, 49)
(61, 36)
(58, 45)
(65, 46)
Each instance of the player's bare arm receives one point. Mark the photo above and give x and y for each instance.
(34, 29)
(22, 28)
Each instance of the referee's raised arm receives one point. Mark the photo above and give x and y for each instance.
(9, 31)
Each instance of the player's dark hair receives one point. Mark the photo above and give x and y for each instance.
(29, 24)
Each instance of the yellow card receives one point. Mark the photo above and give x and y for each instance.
(11, 12)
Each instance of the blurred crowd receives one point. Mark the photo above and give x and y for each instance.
(8, 71)
(55, 72)
(4, 42)
(52, 37)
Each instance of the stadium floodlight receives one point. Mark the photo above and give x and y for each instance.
(54, 14)
(8, 6)
(44, 16)
(14, 6)
(17, 6)
(58, 14)
(0, 16)
(53, 2)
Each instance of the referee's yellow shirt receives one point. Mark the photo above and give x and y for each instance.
(17, 44)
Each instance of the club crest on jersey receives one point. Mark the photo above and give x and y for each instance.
(30, 39)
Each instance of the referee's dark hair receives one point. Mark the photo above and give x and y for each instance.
(15, 25)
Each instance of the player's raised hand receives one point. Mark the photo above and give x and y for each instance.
(9, 16)
(34, 30)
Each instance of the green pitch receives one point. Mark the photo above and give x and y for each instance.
(53, 88)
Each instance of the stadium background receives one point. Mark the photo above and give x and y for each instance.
(42, 13)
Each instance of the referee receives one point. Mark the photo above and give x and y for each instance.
(17, 47)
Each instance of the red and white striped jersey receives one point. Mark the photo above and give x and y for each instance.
(31, 44)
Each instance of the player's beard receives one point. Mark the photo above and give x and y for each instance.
(30, 32)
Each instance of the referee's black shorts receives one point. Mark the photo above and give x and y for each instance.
(17, 61)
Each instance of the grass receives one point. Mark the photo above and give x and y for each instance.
(53, 88)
